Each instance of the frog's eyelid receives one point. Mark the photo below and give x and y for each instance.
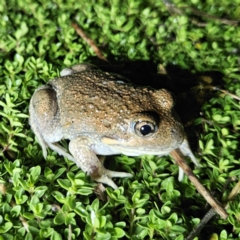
(66, 72)
(121, 82)
(77, 69)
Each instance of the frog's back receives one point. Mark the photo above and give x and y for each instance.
(95, 101)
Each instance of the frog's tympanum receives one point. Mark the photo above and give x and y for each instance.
(103, 114)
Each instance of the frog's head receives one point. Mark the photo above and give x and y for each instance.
(155, 130)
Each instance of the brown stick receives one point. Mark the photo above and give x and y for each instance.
(211, 213)
(180, 11)
(179, 158)
(228, 93)
(89, 41)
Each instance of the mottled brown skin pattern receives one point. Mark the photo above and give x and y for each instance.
(110, 107)
(101, 114)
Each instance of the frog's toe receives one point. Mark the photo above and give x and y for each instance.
(108, 175)
(76, 69)
(118, 174)
(106, 180)
(180, 174)
(186, 151)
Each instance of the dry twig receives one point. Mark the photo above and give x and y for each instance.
(180, 11)
(228, 93)
(179, 158)
(201, 88)
(195, 232)
(89, 41)
(69, 232)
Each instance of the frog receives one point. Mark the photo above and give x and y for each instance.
(101, 114)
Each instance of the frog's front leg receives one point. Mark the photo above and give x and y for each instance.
(87, 160)
(186, 151)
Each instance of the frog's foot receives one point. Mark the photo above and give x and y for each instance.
(108, 175)
(106, 180)
(87, 160)
(113, 174)
(105, 176)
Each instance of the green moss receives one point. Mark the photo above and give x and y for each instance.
(52, 198)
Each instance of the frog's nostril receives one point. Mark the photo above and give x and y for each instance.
(177, 135)
(173, 131)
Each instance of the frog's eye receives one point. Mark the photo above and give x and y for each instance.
(144, 128)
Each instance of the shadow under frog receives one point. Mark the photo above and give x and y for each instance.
(102, 113)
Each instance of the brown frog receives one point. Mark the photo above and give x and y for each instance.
(102, 113)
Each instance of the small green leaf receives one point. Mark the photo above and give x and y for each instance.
(5, 227)
(217, 117)
(29, 236)
(168, 184)
(189, 192)
(46, 232)
(15, 211)
(34, 201)
(153, 165)
(69, 219)
(102, 221)
(20, 197)
(165, 209)
(93, 220)
(48, 174)
(119, 233)
(59, 172)
(64, 183)
(80, 210)
(39, 191)
(22, 31)
(55, 236)
(59, 219)
(214, 236)
(59, 196)
(140, 211)
(85, 190)
(34, 174)
(95, 205)
(223, 235)
(71, 202)
(28, 215)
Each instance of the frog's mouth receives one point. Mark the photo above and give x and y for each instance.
(139, 152)
(135, 148)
